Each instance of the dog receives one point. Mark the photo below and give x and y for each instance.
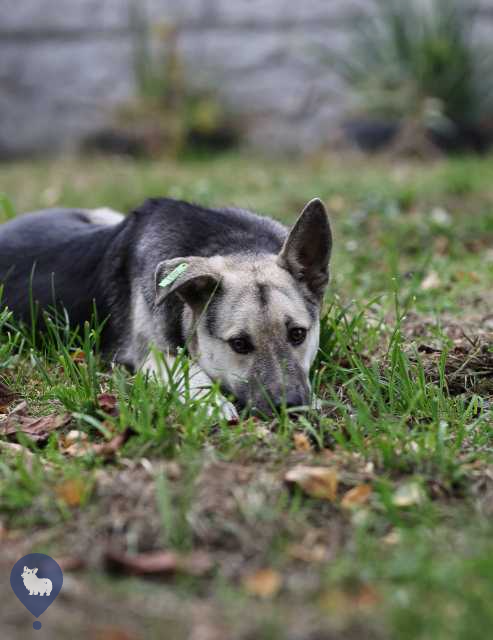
(240, 291)
(36, 586)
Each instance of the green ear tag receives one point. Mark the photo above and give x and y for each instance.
(174, 275)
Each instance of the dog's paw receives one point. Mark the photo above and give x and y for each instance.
(224, 409)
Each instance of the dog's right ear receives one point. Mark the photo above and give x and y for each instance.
(191, 278)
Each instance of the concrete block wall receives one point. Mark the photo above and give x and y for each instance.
(66, 64)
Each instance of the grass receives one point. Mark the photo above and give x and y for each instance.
(405, 372)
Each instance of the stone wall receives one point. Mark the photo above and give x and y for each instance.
(66, 64)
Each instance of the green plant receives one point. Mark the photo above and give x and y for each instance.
(168, 113)
(421, 60)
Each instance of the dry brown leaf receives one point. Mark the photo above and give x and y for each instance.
(79, 446)
(73, 442)
(317, 553)
(470, 276)
(356, 496)
(72, 491)
(317, 482)
(196, 563)
(302, 443)
(108, 403)
(38, 429)
(110, 448)
(264, 583)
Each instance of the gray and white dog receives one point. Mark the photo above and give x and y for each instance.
(240, 291)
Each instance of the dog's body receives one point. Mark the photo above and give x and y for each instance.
(240, 292)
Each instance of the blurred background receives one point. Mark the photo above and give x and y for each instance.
(154, 77)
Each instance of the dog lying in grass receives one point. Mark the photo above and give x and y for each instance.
(239, 291)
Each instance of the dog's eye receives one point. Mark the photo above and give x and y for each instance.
(241, 345)
(297, 335)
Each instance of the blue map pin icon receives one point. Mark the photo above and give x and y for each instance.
(36, 580)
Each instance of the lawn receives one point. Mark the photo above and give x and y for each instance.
(370, 519)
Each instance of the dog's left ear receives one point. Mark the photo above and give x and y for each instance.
(306, 251)
(191, 278)
(35, 571)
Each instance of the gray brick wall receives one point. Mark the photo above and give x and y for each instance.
(65, 65)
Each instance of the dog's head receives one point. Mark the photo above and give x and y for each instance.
(256, 317)
(27, 572)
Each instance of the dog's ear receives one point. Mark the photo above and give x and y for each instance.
(306, 251)
(25, 568)
(35, 571)
(191, 278)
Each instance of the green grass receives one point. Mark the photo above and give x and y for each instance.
(405, 372)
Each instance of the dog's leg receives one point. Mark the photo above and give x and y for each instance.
(199, 384)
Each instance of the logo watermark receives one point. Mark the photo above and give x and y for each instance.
(36, 580)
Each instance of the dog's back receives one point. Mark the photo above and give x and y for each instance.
(55, 255)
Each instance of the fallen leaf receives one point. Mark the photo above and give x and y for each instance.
(471, 276)
(81, 447)
(73, 436)
(78, 357)
(317, 553)
(408, 495)
(302, 443)
(317, 482)
(108, 403)
(110, 448)
(38, 429)
(72, 491)
(264, 583)
(432, 281)
(7, 396)
(74, 443)
(196, 563)
(356, 496)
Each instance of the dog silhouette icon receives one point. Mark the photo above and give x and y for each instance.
(36, 586)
